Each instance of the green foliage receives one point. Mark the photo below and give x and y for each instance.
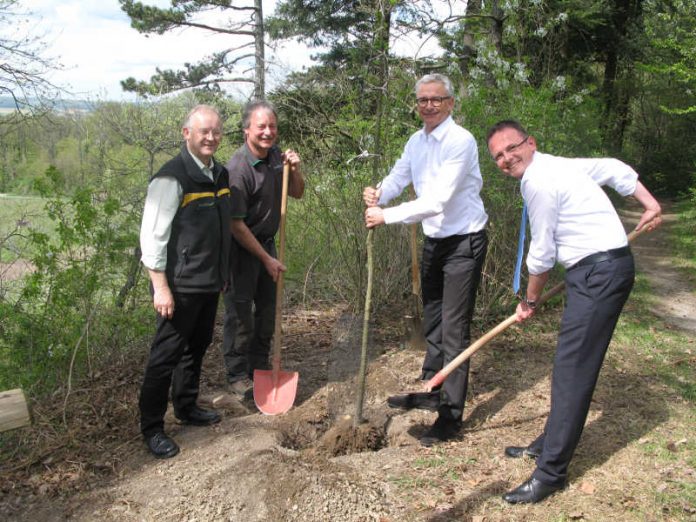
(73, 287)
(349, 118)
(84, 298)
(672, 34)
(683, 235)
(665, 108)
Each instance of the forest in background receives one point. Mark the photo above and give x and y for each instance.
(587, 78)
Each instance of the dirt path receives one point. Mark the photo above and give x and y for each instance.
(256, 468)
(675, 300)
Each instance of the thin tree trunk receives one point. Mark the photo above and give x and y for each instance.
(260, 80)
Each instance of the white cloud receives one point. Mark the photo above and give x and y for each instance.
(97, 47)
(94, 42)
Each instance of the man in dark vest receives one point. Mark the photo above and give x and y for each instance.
(185, 240)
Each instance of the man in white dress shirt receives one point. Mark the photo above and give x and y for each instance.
(573, 223)
(441, 161)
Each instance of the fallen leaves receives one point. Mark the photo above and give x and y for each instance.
(674, 446)
(587, 488)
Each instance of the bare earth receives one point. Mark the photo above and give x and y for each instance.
(307, 465)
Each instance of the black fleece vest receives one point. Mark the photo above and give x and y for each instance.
(199, 245)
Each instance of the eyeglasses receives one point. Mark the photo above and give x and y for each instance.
(216, 133)
(435, 101)
(509, 149)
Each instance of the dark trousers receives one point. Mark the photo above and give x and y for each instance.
(595, 297)
(249, 316)
(450, 275)
(176, 356)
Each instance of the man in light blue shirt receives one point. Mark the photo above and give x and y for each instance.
(441, 161)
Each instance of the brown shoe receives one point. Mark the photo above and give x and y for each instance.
(240, 388)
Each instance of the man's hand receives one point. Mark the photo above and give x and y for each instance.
(273, 267)
(371, 196)
(374, 216)
(652, 215)
(296, 183)
(163, 301)
(524, 312)
(651, 219)
(293, 159)
(162, 298)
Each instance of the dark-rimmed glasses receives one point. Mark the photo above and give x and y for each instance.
(435, 101)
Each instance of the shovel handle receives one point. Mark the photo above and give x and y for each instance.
(413, 237)
(415, 276)
(280, 283)
(440, 376)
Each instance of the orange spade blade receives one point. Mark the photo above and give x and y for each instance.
(274, 398)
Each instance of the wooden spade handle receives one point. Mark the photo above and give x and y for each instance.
(440, 376)
(280, 283)
(415, 276)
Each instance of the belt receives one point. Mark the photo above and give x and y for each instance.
(614, 253)
(455, 237)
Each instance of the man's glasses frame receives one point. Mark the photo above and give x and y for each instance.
(435, 101)
(510, 149)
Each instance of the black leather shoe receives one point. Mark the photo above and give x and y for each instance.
(199, 417)
(529, 492)
(161, 446)
(409, 401)
(441, 431)
(521, 451)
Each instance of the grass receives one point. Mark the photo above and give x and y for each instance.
(683, 237)
(670, 355)
(638, 453)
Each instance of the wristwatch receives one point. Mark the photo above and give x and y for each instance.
(530, 304)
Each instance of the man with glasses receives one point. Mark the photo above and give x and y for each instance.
(572, 222)
(441, 161)
(185, 241)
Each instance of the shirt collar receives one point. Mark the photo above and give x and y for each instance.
(200, 164)
(439, 132)
(252, 159)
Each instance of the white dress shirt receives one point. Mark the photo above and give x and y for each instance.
(163, 198)
(443, 167)
(570, 215)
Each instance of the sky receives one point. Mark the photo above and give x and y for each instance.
(97, 48)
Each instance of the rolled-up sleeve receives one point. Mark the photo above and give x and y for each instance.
(611, 172)
(161, 204)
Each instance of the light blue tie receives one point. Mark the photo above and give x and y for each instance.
(520, 250)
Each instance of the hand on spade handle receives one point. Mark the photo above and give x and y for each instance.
(440, 376)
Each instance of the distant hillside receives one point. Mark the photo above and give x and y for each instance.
(7, 104)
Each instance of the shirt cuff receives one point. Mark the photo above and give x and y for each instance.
(154, 263)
